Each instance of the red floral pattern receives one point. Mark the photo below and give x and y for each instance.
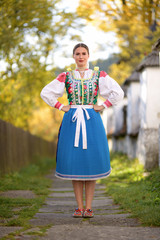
(61, 77)
(70, 90)
(103, 74)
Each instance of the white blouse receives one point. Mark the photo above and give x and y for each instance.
(108, 88)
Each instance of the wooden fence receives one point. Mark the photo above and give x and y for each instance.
(18, 148)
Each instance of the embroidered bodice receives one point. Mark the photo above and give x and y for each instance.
(82, 91)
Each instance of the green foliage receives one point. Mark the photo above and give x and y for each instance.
(29, 178)
(135, 23)
(41, 20)
(136, 192)
(21, 17)
(28, 38)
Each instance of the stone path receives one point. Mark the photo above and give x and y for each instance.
(109, 223)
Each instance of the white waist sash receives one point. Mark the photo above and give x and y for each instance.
(79, 116)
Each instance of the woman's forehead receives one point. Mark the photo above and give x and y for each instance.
(81, 49)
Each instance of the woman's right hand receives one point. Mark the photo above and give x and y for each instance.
(66, 108)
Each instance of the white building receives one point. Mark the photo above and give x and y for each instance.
(148, 147)
(132, 84)
(132, 127)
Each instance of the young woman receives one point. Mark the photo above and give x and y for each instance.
(82, 149)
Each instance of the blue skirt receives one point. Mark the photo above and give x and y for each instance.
(76, 163)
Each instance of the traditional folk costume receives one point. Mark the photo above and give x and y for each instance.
(82, 149)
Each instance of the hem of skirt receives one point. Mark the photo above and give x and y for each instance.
(95, 177)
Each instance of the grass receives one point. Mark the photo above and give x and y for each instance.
(18, 211)
(135, 190)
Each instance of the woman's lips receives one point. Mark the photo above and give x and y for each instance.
(80, 60)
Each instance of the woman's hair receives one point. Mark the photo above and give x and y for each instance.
(81, 45)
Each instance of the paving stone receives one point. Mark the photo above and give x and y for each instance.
(106, 211)
(55, 219)
(61, 189)
(62, 203)
(111, 206)
(26, 237)
(99, 192)
(100, 187)
(64, 195)
(122, 220)
(56, 208)
(57, 199)
(101, 203)
(68, 202)
(6, 230)
(81, 232)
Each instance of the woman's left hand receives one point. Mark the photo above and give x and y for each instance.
(98, 108)
(66, 108)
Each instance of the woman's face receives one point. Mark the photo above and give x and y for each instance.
(81, 57)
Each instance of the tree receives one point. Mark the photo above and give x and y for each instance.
(28, 34)
(135, 24)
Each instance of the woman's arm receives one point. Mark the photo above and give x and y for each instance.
(110, 90)
(52, 91)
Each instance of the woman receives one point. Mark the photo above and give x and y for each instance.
(82, 149)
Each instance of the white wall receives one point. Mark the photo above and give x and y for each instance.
(150, 98)
(147, 150)
(133, 118)
(143, 98)
(153, 98)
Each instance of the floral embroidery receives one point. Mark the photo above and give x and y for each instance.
(61, 77)
(103, 74)
(96, 68)
(69, 69)
(82, 91)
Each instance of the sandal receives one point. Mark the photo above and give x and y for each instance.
(88, 213)
(78, 212)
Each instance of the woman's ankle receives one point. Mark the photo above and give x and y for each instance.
(80, 207)
(88, 207)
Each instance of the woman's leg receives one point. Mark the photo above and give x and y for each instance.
(78, 191)
(89, 192)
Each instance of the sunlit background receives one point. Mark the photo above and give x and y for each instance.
(36, 42)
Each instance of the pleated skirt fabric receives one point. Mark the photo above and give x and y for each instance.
(76, 163)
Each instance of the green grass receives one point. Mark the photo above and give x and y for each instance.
(133, 190)
(18, 211)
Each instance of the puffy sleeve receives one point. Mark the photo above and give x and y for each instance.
(110, 90)
(52, 91)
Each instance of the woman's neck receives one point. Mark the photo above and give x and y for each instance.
(81, 68)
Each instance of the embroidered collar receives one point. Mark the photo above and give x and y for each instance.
(82, 70)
